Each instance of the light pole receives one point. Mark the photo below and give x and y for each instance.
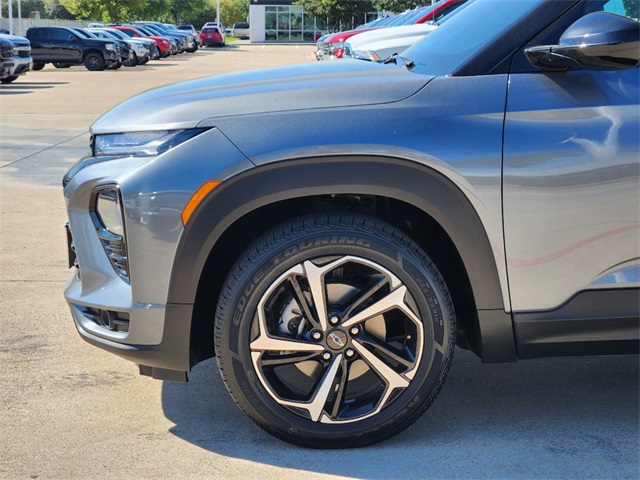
(218, 12)
(10, 18)
(19, 17)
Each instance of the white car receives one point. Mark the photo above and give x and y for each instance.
(240, 30)
(382, 43)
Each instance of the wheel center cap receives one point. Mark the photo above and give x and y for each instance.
(337, 340)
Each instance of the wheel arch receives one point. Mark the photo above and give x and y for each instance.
(89, 51)
(240, 209)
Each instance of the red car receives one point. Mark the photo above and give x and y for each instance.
(211, 36)
(333, 46)
(164, 44)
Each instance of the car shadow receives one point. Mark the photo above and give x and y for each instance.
(521, 417)
(21, 88)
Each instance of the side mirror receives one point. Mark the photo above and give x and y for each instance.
(598, 41)
(72, 38)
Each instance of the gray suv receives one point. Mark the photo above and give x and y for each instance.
(331, 231)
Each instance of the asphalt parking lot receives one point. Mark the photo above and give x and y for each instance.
(69, 410)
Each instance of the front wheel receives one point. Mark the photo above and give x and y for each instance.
(133, 61)
(38, 66)
(334, 331)
(94, 62)
(9, 79)
(61, 65)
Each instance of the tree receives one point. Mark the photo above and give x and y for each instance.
(632, 8)
(232, 11)
(55, 10)
(398, 6)
(26, 8)
(106, 10)
(338, 12)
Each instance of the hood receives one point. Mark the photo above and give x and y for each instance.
(344, 36)
(377, 39)
(297, 87)
(14, 38)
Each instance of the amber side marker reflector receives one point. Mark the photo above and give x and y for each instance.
(197, 197)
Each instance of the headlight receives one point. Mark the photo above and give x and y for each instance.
(109, 46)
(366, 55)
(109, 210)
(165, 42)
(141, 144)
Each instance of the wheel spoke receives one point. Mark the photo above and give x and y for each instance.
(264, 343)
(316, 406)
(287, 359)
(315, 276)
(302, 302)
(391, 378)
(378, 345)
(340, 394)
(367, 295)
(393, 300)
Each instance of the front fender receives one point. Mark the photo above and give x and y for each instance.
(393, 178)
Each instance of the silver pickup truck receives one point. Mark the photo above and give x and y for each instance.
(21, 62)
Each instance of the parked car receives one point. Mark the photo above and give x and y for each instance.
(63, 45)
(333, 47)
(240, 30)
(192, 36)
(150, 44)
(22, 61)
(224, 30)
(379, 44)
(139, 53)
(482, 190)
(126, 57)
(211, 37)
(186, 41)
(189, 28)
(163, 43)
(6, 58)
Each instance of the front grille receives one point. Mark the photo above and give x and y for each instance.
(6, 51)
(108, 319)
(24, 54)
(22, 45)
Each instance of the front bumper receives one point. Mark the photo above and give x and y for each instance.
(21, 65)
(5, 69)
(112, 59)
(132, 318)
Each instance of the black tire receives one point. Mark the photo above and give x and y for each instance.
(38, 66)
(380, 290)
(93, 61)
(144, 61)
(61, 65)
(9, 79)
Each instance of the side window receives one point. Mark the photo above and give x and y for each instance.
(38, 34)
(60, 35)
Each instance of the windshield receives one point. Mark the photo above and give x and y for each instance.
(145, 31)
(118, 34)
(458, 39)
(83, 33)
(100, 34)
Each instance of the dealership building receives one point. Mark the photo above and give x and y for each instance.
(280, 21)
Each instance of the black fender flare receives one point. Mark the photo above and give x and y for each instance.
(415, 184)
(399, 179)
